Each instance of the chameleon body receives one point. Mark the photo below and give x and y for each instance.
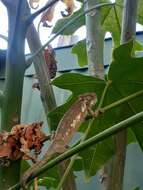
(66, 129)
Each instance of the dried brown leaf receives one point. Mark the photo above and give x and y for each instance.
(70, 6)
(21, 140)
(51, 61)
(48, 14)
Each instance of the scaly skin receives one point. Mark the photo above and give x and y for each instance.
(66, 129)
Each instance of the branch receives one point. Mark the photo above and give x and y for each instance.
(94, 41)
(129, 20)
(47, 94)
(68, 24)
(4, 37)
(34, 15)
(91, 141)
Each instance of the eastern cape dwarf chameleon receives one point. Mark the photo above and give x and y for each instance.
(66, 129)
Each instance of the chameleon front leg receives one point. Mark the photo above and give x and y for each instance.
(96, 112)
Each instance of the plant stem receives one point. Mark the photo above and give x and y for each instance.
(42, 72)
(15, 68)
(129, 20)
(103, 94)
(94, 40)
(91, 141)
(123, 100)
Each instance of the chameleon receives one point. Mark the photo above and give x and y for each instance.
(66, 129)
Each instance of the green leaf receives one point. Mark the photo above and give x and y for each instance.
(73, 26)
(138, 46)
(78, 164)
(140, 12)
(126, 75)
(48, 182)
(95, 157)
(80, 50)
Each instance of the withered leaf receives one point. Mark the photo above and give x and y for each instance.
(21, 140)
(70, 6)
(48, 14)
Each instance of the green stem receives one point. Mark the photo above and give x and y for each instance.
(103, 94)
(68, 24)
(94, 40)
(67, 172)
(123, 100)
(91, 141)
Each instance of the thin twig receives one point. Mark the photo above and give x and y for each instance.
(34, 15)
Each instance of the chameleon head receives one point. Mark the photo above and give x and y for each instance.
(89, 98)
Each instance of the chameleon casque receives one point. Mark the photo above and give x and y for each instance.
(66, 129)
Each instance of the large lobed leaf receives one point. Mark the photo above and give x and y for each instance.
(124, 78)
